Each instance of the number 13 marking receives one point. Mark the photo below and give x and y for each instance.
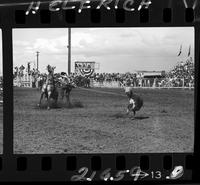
(156, 175)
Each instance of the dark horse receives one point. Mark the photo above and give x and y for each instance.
(65, 90)
(49, 88)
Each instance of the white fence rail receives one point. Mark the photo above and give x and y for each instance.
(116, 84)
(25, 81)
(105, 84)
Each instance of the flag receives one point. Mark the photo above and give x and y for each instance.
(189, 51)
(180, 51)
(28, 68)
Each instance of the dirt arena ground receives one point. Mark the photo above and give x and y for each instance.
(97, 122)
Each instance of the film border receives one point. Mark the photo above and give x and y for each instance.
(21, 167)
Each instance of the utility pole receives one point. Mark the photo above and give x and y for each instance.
(37, 54)
(69, 50)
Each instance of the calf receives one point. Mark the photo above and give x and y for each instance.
(135, 101)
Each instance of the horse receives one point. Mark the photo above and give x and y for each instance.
(48, 88)
(65, 88)
(41, 81)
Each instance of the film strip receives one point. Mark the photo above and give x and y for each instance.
(170, 167)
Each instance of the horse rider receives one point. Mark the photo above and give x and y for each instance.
(65, 79)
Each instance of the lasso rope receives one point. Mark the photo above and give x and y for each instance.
(103, 92)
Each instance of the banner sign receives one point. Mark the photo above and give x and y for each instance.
(84, 68)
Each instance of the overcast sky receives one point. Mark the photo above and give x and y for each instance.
(115, 49)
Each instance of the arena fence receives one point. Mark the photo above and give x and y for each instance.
(164, 87)
(112, 84)
(27, 81)
(116, 84)
(24, 81)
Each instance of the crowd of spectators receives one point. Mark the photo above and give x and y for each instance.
(182, 75)
(124, 78)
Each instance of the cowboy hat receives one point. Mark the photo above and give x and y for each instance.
(64, 76)
(63, 73)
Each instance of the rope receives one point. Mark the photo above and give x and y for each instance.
(103, 92)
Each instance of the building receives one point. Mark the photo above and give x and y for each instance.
(151, 74)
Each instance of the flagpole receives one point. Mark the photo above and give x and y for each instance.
(37, 55)
(69, 51)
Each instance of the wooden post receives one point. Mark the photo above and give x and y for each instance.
(69, 51)
(37, 54)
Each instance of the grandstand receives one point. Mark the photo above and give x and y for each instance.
(181, 76)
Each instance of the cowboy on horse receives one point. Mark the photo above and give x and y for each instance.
(49, 88)
(66, 84)
(64, 79)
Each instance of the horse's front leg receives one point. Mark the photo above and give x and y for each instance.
(40, 99)
(61, 94)
(48, 100)
(68, 98)
(56, 98)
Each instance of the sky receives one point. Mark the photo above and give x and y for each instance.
(114, 49)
